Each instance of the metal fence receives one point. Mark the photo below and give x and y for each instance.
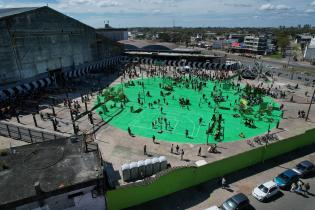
(26, 134)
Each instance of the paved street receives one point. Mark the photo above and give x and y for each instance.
(267, 61)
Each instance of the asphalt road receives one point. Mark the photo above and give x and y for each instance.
(272, 62)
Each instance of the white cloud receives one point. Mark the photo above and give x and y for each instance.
(84, 4)
(312, 3)
(266, 7)
(310, 11)
(282, 7)
(156, 11)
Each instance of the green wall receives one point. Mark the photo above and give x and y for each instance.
(180, 178)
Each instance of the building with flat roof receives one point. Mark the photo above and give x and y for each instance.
(57, 174)
(238, 37)
(114, 34)
(256, 44)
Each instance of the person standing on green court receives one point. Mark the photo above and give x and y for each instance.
(182, 154)
(186, 133)
(200, 120)
(145, 149)
(199, 151)
(153, 139)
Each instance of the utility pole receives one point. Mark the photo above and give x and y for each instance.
(309, 108)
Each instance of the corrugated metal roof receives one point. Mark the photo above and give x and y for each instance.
(13, 11)
(147, 43)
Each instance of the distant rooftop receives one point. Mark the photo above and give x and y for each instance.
(147, 44)
(110, 28)
(13, 11)
(59, 166)
(305, 36)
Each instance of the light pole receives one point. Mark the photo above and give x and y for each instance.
(143, 88)
(309, 108)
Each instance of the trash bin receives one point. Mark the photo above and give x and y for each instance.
(148, 167)
(133, 170)
(141, 169)
(125, 169)
(156, 165)
(163, 163)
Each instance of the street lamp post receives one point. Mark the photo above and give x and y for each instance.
(143, 88)
(309, 108)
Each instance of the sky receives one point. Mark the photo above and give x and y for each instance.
(186, 13)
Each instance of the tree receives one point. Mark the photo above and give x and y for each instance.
(282, 41)
(165, 37)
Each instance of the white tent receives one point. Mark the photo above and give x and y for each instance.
(310, 51)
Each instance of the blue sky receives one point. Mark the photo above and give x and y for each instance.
(192, 13)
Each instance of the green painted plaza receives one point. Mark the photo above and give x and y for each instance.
(188, 110)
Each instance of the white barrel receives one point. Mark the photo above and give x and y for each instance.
(125, 169)
(133, 170)
(141, 169)
(148, 167)
(163, 163)
(156, 165)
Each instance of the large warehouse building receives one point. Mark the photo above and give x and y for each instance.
(39, 46)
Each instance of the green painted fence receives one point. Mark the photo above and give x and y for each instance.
(184, 177)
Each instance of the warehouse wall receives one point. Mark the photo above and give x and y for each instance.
(43, 39)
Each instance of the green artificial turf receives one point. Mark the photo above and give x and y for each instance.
(187, 117)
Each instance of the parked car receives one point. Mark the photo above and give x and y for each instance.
(238, 201)
(286, 178)
(304, 168)
(265, 191)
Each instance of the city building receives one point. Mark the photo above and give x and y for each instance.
(217, 44)
(303, 39)
(114, 34)
(40, 46)
(57, 174)
(256, 44)
(238, 37)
